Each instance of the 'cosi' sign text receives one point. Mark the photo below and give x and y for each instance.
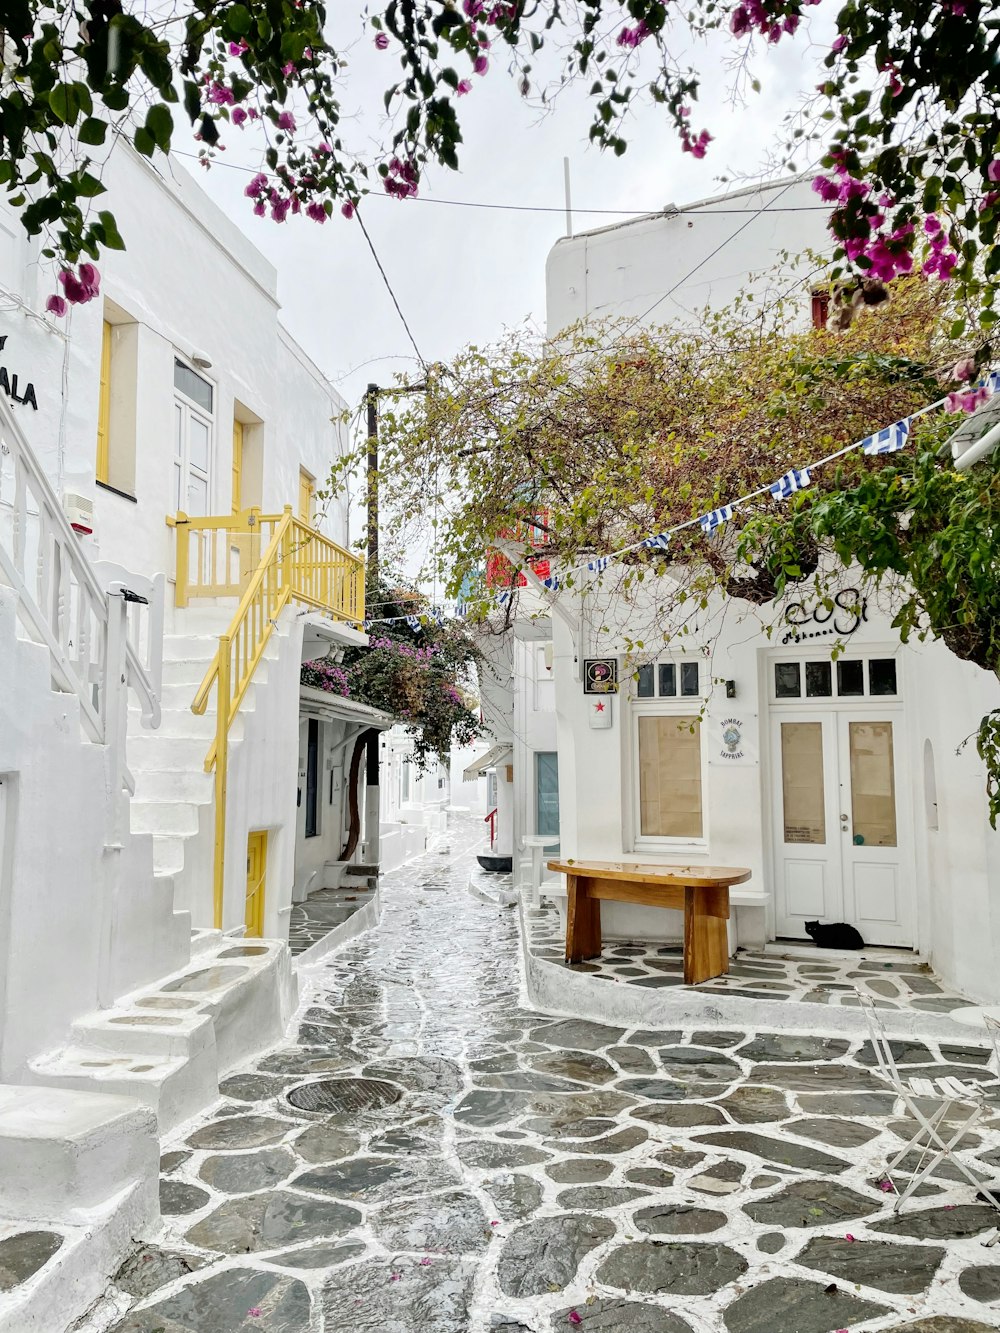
(9, 384)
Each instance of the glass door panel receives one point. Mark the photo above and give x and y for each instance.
(802, 786)
(873, 784)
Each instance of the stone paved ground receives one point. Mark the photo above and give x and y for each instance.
(499, 1171)
(824, 978)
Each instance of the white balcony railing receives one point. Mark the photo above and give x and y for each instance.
(104, 631)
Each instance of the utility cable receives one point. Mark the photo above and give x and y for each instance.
(388, 285)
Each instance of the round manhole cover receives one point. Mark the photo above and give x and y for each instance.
(344, 1094)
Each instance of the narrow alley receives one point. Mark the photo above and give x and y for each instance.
(425, 1154)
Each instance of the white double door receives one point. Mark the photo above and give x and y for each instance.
(841, 830)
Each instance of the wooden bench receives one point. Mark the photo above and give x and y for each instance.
(701, 892)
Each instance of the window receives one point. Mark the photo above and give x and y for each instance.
(671, 680)
(116, 403)
(669, 756)
(844, 679)
(193, 422)
(803, 797)
(873, 784)
(407, 780)
(546, 792)
(104, 406)
(307, 496)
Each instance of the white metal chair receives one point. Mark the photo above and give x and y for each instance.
(934, 1139)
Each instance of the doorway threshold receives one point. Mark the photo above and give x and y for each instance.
(871, 953)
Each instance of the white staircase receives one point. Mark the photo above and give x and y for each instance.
(173, 800)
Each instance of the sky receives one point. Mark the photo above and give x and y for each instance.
(463, 274)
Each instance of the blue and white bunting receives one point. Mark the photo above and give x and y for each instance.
(992, 382)
(414, 623)
(599, 565)
(552, 583)
(795, 479)
(658, 543)
(887, 440)
(715, 518)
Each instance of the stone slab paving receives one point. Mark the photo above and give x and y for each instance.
(820, 978)
(326, 909)
(494, 1170)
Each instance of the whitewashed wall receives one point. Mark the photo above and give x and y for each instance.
(663, 269)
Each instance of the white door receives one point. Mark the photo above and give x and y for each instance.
(194, 400)
(842, 852)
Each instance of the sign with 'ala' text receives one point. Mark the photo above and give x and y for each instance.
(17, 389)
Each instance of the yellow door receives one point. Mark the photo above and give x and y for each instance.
(237, 466)
(256, 876)
(307, 487)
(104, 407)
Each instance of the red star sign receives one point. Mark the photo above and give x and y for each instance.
(599, 708)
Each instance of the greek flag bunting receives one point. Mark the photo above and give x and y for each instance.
(658, 543)
(795, 479)
(413, 622)
(993, 381)
(887, 440)
(552, 583)
(715, 518)
(599, 565)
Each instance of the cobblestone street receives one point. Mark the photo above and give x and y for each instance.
(498, 1171)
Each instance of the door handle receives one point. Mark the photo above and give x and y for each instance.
(843, 819)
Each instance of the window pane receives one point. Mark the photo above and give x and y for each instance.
(882, 675)
(192, 385)
(198, 443)
(197, 496)
(546, 793)
(819, 680)
(178, 431)
(850, 677)
(178, 505)
(689, 678)
(644, 683)
(802, 782)
(668, 679)
(786, 680)
(873, 785)
(670, 777)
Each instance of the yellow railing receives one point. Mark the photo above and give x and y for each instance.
(220, 557)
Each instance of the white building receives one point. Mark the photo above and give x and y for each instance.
(185, 435)
(843, 786)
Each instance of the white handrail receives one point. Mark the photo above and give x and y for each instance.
(63, 604)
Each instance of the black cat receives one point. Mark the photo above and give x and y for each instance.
(836, 935)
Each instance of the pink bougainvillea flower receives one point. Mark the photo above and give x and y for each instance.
(848, 1236)
(574, 1318)
(219, 95)
(464, 86)
(259, 208)
(288, 69)
(254, 1312)
(239, 116)
(316, 212)
(480, 65)
(253, 113)
(886, 1186)
(286, 121)
(381, 41)
(425, 1261)
(492, 1224)
(347, 208)
(826, 189)
(964, 369)
(993, 170)
(839, 43)
(257, 186)
(90, 278)
(237, 48)
(630, 38)
(56, 305)
(395, 1277)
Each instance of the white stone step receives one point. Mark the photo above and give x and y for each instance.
(175, 818)
(169, 853)
(63, 1152)
(156, 1033)
(205, 942)
(147, 750)
(174, 785)
(190, 647)
(173, 1088)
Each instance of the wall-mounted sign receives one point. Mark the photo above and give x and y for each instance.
(600, 714)
(733, 739)
(18, 393)
(600, 675)
(840, 616)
